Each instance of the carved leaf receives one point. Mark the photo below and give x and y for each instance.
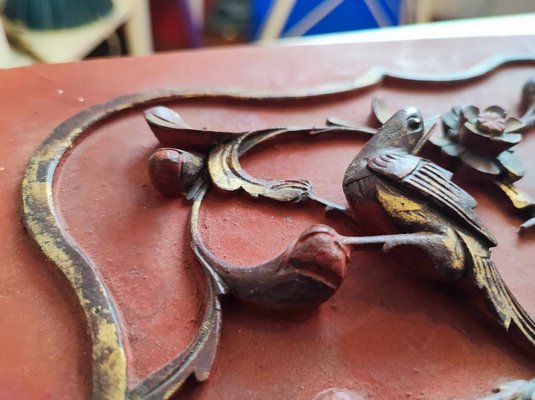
(512, 165)
(381, 112)
(172, 131)
(227, 174)
(482, 164)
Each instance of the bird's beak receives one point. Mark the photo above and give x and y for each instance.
(429, 126)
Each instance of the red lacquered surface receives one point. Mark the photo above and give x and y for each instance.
(385, 333)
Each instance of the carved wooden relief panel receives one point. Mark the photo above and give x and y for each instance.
(315, 240)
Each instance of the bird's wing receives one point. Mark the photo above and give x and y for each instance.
(434, 183)
(501, 299)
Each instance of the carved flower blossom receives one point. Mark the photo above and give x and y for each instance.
(482, 140)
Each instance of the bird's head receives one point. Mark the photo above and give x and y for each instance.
(405, 130)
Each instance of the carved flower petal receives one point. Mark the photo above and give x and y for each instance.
(496, 109)
(440, 140)
(470, 113)
(482, 164)
(451, 120)
(469, 133)
(511, 165)
(480, 142)
(510, 138)
(528, 119)
(453, 150)
(513, 125)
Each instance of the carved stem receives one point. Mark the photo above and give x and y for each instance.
(385, 241)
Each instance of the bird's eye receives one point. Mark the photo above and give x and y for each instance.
(414, 123)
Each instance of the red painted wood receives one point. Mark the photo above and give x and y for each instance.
(385, 333)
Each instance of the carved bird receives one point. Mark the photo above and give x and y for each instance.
(435, 214)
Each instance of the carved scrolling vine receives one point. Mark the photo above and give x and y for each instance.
(295, 277)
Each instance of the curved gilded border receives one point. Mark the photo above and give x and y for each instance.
(44, 225)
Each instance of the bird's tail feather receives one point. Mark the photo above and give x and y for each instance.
(502, 300)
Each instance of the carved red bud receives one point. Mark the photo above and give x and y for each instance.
(174, 171)
(307, 274)
(319, 257)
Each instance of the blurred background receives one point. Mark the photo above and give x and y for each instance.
(55, 31)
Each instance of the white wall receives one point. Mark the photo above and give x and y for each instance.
(453, 9)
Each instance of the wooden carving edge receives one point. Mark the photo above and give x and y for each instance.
(109, 379)
(109, 375)
(196, 359)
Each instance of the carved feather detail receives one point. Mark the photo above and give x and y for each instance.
(419, 175)
(507, 307)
